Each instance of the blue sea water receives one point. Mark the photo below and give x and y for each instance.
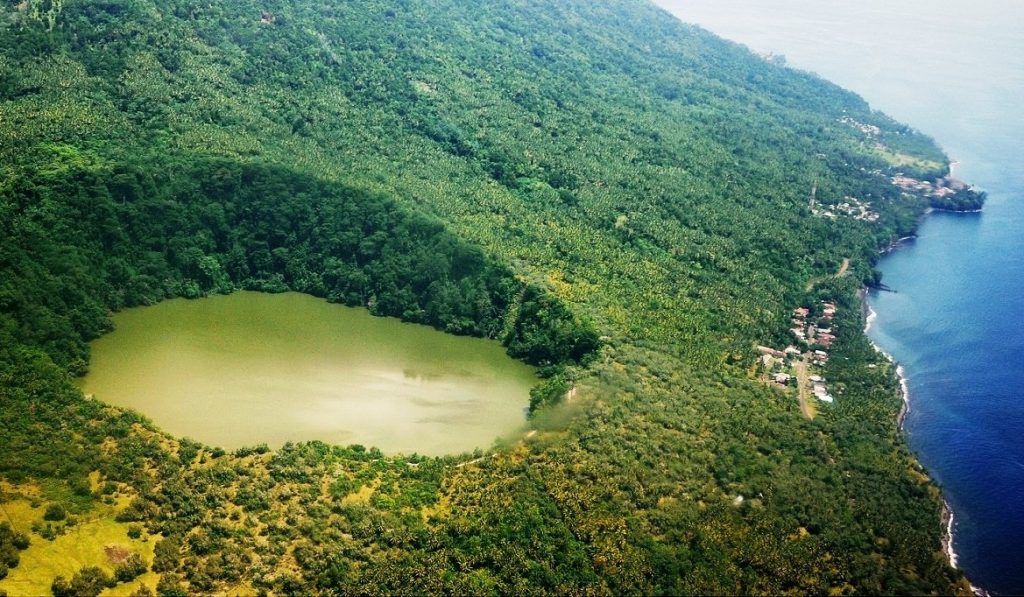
(955, 326)
(954, 70)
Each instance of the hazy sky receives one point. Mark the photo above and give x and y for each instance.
(952, 69)
(856, 41)
(911, 26)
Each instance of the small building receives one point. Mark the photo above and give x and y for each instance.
(792, 350)
(782, 378)
(816, 378)
(801, 312)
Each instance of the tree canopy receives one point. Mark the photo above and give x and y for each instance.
(625, 200)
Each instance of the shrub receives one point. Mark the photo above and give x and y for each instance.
(87, 582)
(170, 586)
(130, 569)
(165, 555)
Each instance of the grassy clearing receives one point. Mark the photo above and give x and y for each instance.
(896, 158)
(82, 545)
(362, 495)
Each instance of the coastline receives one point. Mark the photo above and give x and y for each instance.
(947, 518)
(899, 242)
(953, 211)
(947, 535)
(869, 318)
(904, 394)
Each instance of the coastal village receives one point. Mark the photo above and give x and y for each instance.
(798, 365)
(857, 209)
(942, 187)
(851, 207)
(868, 129)
(939, 188)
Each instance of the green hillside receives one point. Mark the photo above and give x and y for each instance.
(629, 202)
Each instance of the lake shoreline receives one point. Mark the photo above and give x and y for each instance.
(251, 368)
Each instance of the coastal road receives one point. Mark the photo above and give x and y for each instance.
(844, 269)
(802, 384)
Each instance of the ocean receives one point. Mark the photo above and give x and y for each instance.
(955, 71)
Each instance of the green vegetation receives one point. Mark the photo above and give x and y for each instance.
(219, 225)
(961, 200)
(616, 196)
(11, 543)
(87, 582)
(130, 569)
(55, 512)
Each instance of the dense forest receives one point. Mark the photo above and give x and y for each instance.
(627, 201)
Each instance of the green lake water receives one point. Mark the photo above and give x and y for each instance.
(249, 368)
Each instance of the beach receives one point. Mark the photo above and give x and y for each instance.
(869, 318)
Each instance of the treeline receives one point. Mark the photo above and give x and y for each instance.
(85, 237)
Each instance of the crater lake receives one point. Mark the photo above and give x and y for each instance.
(250, 368)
